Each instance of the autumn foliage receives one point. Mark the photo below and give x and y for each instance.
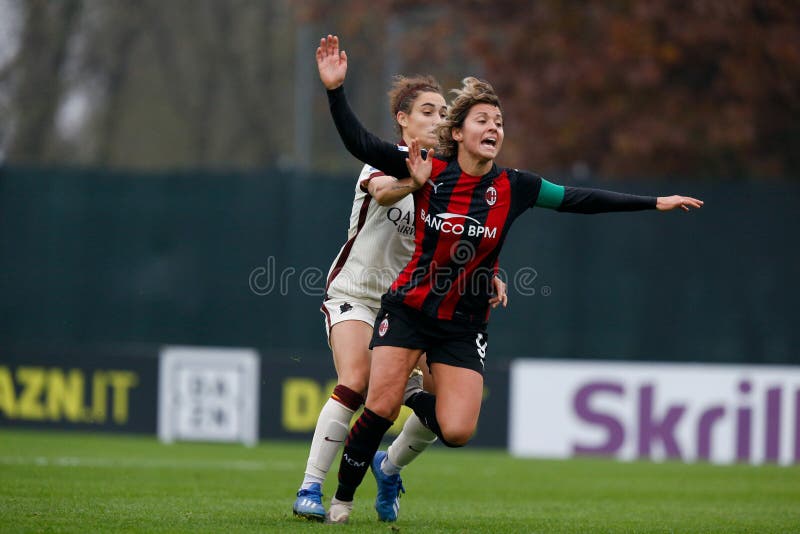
(616, 89)
(630, 88)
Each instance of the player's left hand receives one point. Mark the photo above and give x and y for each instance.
(677, 201)
(500, 293)
(419, 169)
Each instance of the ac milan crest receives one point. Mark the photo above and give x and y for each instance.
(383, 327)
(491, 195)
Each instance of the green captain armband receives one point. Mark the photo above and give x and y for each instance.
(550, 195)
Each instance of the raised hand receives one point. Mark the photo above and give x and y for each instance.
(677, 201)
(419, 168)
(331, 62)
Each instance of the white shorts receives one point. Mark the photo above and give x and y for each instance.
(337, 310)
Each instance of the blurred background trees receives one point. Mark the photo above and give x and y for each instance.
(697, 89)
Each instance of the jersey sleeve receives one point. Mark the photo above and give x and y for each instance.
(527, 189)
(367, 174)
(550, 195)
(536, 191)
(360, 142)
(585, 200)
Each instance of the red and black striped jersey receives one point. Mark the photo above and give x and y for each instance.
(461, 221)
(460, 224)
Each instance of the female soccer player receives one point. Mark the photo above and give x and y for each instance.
(465, 205)
(381, 240)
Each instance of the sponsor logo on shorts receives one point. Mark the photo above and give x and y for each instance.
(481, 343)
(383, 327)
(346, 307)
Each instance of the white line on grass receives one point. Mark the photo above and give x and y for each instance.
(73, 461)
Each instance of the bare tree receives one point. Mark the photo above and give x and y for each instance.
(36, 73)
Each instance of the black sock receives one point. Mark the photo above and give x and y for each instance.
(424, 405)
(359, 448)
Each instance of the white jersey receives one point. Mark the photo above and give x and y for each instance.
(380, 242)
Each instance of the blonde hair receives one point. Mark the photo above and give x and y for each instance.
(473, 91)
(406, 89)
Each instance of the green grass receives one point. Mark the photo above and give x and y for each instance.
(68, 482)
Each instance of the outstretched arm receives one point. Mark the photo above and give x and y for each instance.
(332, 66)
(585, 200)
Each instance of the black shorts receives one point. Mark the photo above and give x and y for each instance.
(453, 343)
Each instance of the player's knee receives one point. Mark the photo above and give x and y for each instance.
(355, 381)
(385, 409)
(457, 435)
(452, 445)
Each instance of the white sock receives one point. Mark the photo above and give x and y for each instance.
(413, 439)
(333, 425)
(388, 467)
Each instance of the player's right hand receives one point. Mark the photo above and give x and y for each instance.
(419, 169)
(331, 62)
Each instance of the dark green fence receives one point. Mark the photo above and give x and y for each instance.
(94, 257)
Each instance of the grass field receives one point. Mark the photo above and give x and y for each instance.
(67, 482)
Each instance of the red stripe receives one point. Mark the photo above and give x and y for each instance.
(421, 203)
(347, 397)
(327, 315)
(362, 217)
(496, 219)
(365, 182)
(460, 201)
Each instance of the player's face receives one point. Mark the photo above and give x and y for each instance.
(482, 134)
(429, 109)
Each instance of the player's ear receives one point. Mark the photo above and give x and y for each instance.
(456, 134)
(402, 119)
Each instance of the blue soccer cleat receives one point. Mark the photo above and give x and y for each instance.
(387, 503)
(309, 504)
